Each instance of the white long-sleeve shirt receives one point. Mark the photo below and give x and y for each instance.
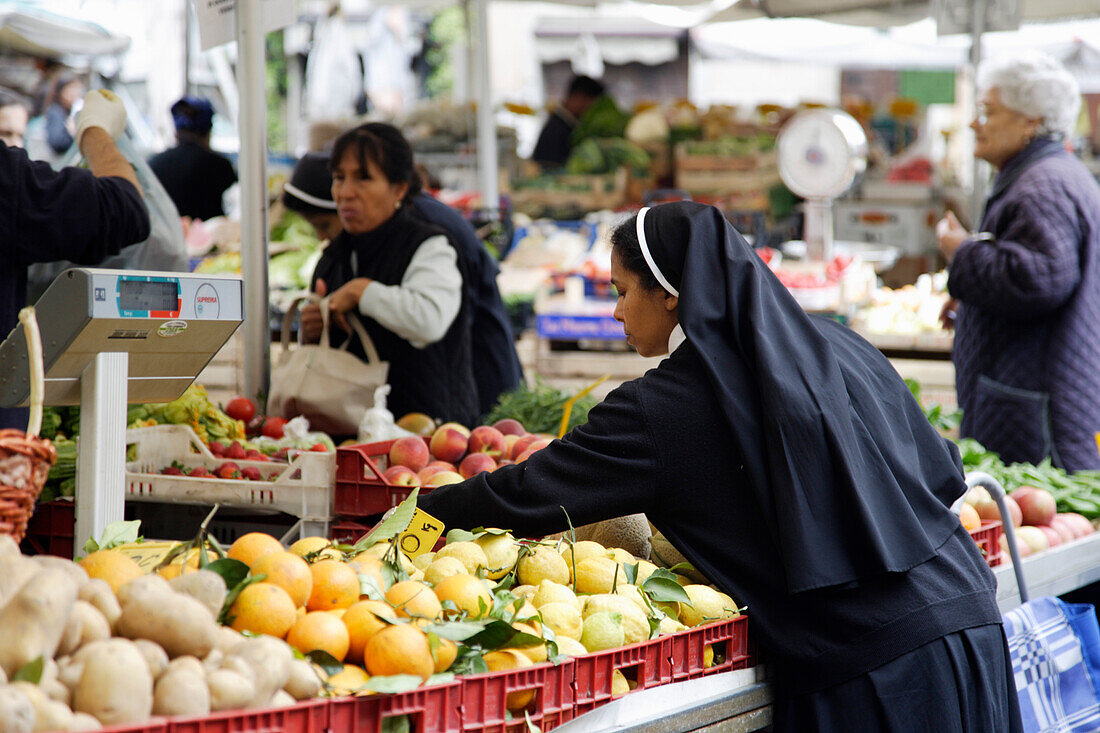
(422, 308)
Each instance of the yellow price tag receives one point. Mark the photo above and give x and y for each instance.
(149, 553)
(421, 535)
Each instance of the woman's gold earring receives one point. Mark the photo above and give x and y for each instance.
(396, 205)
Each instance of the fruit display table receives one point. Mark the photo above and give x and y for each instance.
(1051, 572)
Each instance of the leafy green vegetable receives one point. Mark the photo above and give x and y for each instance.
(602, 119)
(539, 408)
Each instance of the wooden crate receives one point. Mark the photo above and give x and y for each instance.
(586, 192)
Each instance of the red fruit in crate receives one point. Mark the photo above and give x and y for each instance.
(475, 463)
(319, 448)
(172, 471)
(273, 427)
(251, 473)
(411, 452)
(228, 470)
(254, 455)
(449, 444)
(280, 455)
(402, 476)
(216, 448)
(235, 451)
(241, 408)
(484, 439)
(199, 472)
(509, 426)
(253, 427)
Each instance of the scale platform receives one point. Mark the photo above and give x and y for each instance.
(169, 324)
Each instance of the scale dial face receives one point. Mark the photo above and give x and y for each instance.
(820, 153)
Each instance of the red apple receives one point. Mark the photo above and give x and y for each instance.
(508, 426)
(475, 463)
(988, 510)
(411, 452)
(402, 476)
(449, 444)
(1064, 528)
(443, 478)
(273, 427)
(1037, 507)
(1053, 537)
(484, 439)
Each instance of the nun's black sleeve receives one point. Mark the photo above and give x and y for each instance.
(608, 467)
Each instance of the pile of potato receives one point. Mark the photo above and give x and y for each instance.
(152, 648)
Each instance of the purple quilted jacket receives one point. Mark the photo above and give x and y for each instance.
(1027, 343)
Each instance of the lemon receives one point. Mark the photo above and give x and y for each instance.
(603, 630)
(524, 591)
(645, 569)
(469, 554)
(381, 551)
(621, 555)
(570, 647)
(633, 594)
(564, 619)
(669, 625)
(579, 551)
(619, 685)
(598, 575)
(443, 568)
(708, 656)
(551, 592)
(634, 622)
(542, 563)
(707, 604)
(536, 652)
(309, 545)
(421, 562)
(501, 551)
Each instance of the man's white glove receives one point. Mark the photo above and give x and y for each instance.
(102, 108)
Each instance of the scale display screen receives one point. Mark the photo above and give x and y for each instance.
(136, 295)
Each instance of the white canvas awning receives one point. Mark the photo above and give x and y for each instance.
(38, 33)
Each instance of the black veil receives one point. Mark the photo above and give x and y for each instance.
(850, 475)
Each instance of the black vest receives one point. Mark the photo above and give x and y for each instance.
(437, 380)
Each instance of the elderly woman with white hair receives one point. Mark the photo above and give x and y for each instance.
(1026, 288)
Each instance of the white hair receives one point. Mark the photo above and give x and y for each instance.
(1037, 86)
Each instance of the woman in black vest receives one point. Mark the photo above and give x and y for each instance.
(403, 277)
(789, 463)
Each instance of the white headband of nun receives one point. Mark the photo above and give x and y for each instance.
(649, 257)
(300, 194)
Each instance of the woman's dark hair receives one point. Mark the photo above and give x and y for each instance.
(386, 147)
(625, 245)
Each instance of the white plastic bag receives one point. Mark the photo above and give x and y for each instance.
(378, 423)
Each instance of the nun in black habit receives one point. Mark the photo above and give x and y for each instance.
(787, 460)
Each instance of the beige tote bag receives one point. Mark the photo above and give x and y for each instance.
(331, 387)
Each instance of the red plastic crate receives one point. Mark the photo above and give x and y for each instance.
(51, 529)
(347, 531)
(153, 725)
(308, 716)
(728, 638)
(361, 490)
(988, 538)
(483, 706)
(647, 663)
(431, 709)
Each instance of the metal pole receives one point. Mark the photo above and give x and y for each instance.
(487, 166)
(186, 47)
(977, 27)
(252, 172)
(101, 462)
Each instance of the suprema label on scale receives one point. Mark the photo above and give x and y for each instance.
(172, 328)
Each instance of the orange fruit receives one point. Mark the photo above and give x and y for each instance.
(363, 620)
(371, 567)
(399, 649)
(250, 547)
(113, 566)
(504, 659)
(445, 654)
(414, 599)
(348, 680)
(968, 515)
(263, 608)
(335, 585)
(320, 630)
(289, 572)
(470, 594)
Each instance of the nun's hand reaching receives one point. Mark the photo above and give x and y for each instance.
(345, 298)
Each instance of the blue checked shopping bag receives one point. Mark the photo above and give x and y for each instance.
(1055, 648)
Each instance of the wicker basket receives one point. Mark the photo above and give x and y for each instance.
(25, 459)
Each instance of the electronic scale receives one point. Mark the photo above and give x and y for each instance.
(113, 337)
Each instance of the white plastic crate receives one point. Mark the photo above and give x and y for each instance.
(304, 488)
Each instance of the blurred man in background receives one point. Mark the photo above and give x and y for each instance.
(195, 177)
(553, 146)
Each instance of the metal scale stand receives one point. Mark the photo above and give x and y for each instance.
(113, 337)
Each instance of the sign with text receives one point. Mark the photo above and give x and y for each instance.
(218, 19)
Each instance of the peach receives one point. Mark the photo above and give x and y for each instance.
(457, 426)
(1063, 527)
(1033, 537)
(443, 478)
(431, 470)
(521, 444)
(402, 476)
(988, 510)
(532, 448)
(1022, 547)
(509, 426)
(445, 465)
(1037, 506)
(475, 463)
(449, 444)
(484, 439)
(1053, 537)
(510, 443)
(411, 452)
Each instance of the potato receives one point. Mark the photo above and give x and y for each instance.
(304, 681)
(84, 722)
(155, 657)
(49, 715)
(69, 671)
(86, 624)
(115, 684)
(51, 685)
(15, 570)
(227, 639)
(178, 622)
(281, 699)
(97, 592)
(182, 689)
(74, 571)
(229, 690)
(34, 619)
(213, 660)
(16, 711)
(270, 660)
(204, 586)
